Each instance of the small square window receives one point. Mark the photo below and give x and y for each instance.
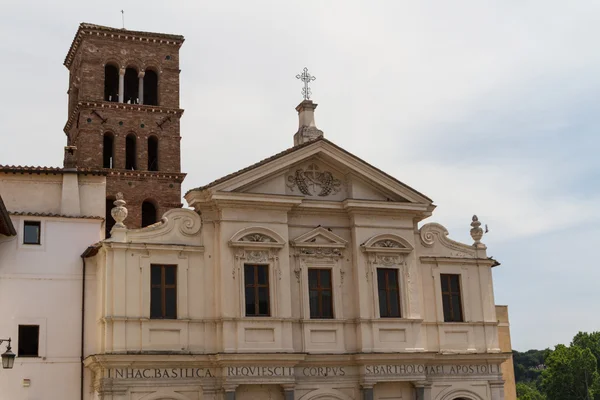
(31, 232)
(29, 340)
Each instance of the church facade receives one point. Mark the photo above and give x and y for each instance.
(308, 275)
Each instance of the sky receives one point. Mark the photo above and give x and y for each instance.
(487, 107)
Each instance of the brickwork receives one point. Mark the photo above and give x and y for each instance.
(90, 117)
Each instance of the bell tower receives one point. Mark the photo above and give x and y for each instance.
(124, 116)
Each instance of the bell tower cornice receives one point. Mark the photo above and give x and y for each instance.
(86, 29)
(106, 105)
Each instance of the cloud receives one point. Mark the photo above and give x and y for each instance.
(488, 108)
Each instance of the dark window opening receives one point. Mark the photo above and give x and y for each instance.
(152, 153)
(32, 232)
(29, 340)
(451, 298)
(148, 214)
(111, 83)
(320, 293)
(108, 151)
(150, 88)
(389, 294)
(256, 279)
(130, 152)
(132, 85)
(109, 221)
(163, 291)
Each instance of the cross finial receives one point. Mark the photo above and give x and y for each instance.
(306, 78)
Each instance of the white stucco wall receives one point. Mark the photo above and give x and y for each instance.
(42, 284)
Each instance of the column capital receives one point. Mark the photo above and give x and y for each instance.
(141, 74)
(229, 387)
(288, 386)
(122, 71)
(421, 384)
(496, 383)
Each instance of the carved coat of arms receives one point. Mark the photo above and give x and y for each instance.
(312, 181)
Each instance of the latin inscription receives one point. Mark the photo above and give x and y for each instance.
(160, 373)
(420, 369)
(313, 371)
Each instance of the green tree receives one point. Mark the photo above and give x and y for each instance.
(589, 341)
(571, 374)
(528, 391)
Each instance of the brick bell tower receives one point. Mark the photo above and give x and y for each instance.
(124, 116)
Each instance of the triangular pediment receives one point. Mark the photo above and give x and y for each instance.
(318, 170)
(316, 175)
(319, 237)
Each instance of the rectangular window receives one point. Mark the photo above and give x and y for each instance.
(29, 340)
(451, 298)
(31, 232)
(320, 293)
(256, 280)
(389, 294)
(163, 291)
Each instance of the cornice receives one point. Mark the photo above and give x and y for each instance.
(483, 262)
(123, 173)
(108, 105)
(86, 29)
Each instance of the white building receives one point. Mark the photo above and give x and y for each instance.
(55, 213)
(303, 277)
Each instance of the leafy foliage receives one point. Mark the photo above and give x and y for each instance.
(565, 373)
(528, 391)
(571, 374)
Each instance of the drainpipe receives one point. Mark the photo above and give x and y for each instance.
(89, 252)
(82, 320)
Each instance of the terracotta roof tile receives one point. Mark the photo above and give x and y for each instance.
(256, 165)
(47, 170)
(6, 226)
(86, 28)
(296, 148)
(52, 215)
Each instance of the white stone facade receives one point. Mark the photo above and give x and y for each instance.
(41, 284)
(313, 207)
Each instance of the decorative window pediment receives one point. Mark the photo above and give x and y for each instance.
(257, 237)
(319, 242)
(387, 243)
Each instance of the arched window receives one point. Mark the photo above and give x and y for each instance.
(111, 83)
(148, 213)
(132, 85)
(109, 221)
(108, 160)
(152, 153)
(150, 88)
(130, 152)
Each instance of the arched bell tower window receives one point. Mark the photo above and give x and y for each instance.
(109, 221)
(108, 151)
(131, 86)
(111, 83)
(149, 216)
(152, 153)
(150, 88)
(130, 152)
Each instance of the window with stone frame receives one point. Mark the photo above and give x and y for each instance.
(320, 293)
(163, 291)
(29, 341)
(451, 298)
(389, 293)
(256, 285)
(32, 232)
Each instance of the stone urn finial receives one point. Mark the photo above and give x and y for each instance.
(476, 231)
(119, 212)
